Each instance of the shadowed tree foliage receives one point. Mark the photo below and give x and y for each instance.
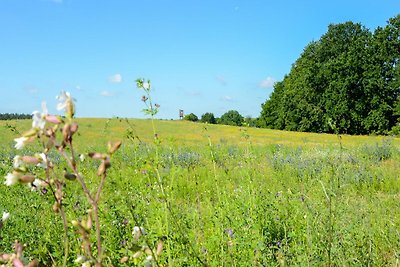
(348, 79)
(208, 118)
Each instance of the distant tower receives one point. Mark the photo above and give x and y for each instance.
(181, 114)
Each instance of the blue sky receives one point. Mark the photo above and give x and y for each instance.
(201, 55)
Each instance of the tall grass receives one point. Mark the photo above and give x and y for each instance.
(222, 197)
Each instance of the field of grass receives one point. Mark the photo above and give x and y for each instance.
(218, 196)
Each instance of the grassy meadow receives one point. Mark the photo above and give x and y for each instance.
(218, 196)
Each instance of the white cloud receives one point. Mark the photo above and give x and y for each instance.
(78, 88)
(31, 89)
(106, 93)
(116, 78)
(267, 82)
(226, 98)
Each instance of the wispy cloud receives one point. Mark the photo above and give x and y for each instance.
(267, 82)
(221, 79)
(106, 93)
(226, 98)
(116, 78)
(33, 90)
(78, 88)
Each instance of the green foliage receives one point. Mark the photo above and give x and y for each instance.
(349, 77)
(191, 117)
(208, 118)
(232, 117)
(14, 116)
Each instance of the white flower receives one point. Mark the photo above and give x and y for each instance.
(82, 157)
(146, 85)
(66, 103)
(6, 215)
(63, 98)
(43, 160)
(11, 179)
(138, 230)
(148, 262)
(37, 184)
(17, 161)
(80, 259)
(86, 264)
(39, 119)
(20, 142)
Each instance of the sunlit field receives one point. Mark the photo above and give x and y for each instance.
(214, 195)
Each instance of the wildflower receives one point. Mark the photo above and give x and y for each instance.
(80, 259)
(12, 178)
(66, 103)
(137, 232)
(148, 262)
(6, 215)
(37, 185)
(146, 85)
(20, 142)
(82, 157)
(62, 98)
(39, 119)
(17, 161)
(42, 160)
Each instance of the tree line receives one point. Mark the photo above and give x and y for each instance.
(348, 81)
(231, 117)
(14, 116)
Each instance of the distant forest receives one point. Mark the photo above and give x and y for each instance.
(14, 116)
(348, 81)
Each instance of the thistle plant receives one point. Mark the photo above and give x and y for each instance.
(151, 109)
(55, 133)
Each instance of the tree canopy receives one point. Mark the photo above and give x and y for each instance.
(348, 81)
(232, 117)
(208, 117)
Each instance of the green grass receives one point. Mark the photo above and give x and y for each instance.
(255, 197)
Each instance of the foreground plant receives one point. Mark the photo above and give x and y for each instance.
(58, 136)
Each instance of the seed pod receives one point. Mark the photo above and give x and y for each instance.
(27, 179)
(66, 131)
(105, 164)
(96, 155)
(74, 128)
(69, 176)
(159, 247)
(113, 147)
(56, 207)
(124, 259)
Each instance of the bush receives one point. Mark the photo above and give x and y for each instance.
(191, 117)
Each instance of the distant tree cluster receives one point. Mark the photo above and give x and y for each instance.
(14, 116)
(346, 82)
(232, 117)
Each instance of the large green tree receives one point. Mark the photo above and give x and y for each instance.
(348, 80)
